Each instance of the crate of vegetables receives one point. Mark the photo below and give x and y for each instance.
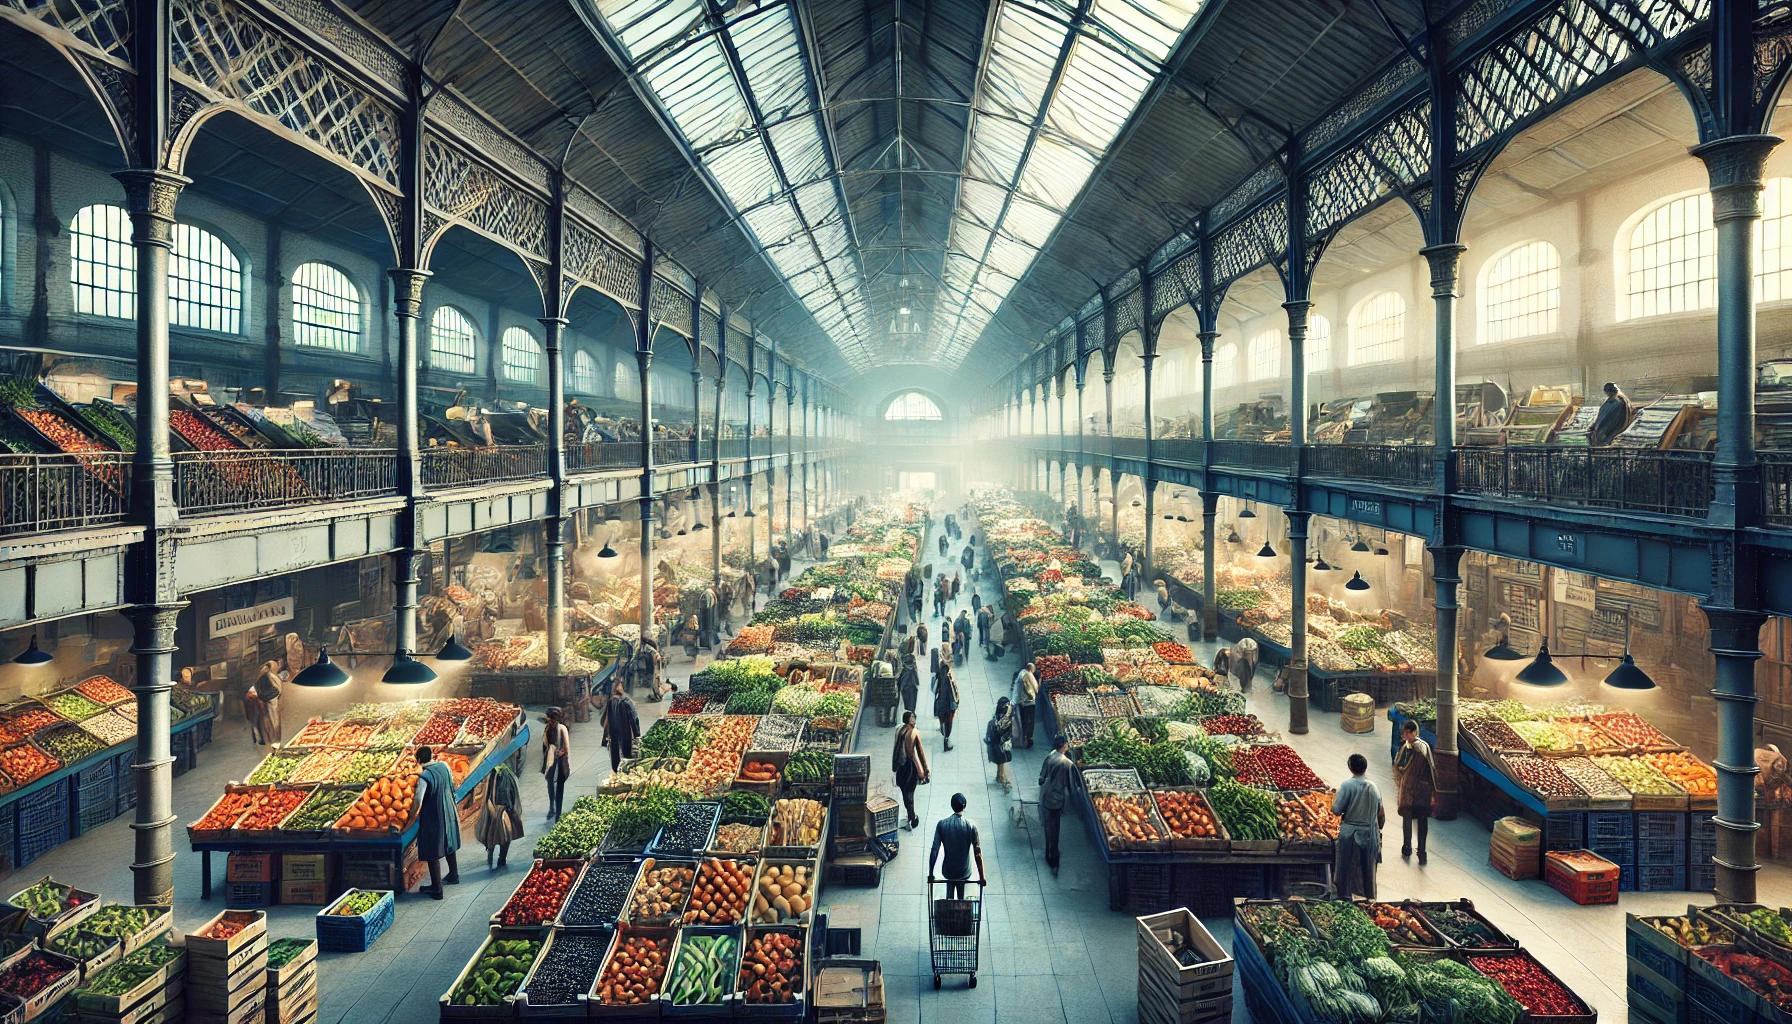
(600, 897)
(1762, 928)
(355, 920)
(1736, 983)
(51, 906)
(773, 981)
(138, 982)
(1301, 827)
(135, 926)
(93, 951)
(1464, 926)
(761, 771)
(538, 899)
(703, 972)
(661, 890)
(1130, 821)
(689, 832)
(565, 972)
(1188, 819)
(485, 989)
(40, 979)
(320, 811)
(1405, 924)
(633, 975)
(1546, 1000)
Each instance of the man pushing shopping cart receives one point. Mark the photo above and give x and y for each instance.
(954, 922)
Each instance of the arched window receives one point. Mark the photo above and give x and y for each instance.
(102, 264)
(1773, 252)
(912, 405)
(1377, 329)
(1263, 357)
(205, 282)
(1672, 258)
(1521, 293)
(625, 382)
(584, 373)
(1225, 366)
(1319, 344)
(522, 356)
(326, 309)
(452, 340)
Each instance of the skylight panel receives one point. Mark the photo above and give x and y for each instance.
(744, 174)
(771, 54)
(996, 147)
(1152, 26)
(1018, 71)
(697, 90)
(646, 25)
(800, 150)
(1055, 173)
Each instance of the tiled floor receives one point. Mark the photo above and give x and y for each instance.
(1052, 951)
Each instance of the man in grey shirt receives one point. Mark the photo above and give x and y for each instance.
(957, 838)
(1358, 804)
(1057, 779)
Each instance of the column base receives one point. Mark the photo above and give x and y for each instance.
(1447, 787)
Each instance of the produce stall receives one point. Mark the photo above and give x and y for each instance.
(1189, 800)
(1729, 962)
(65, 760)
(67, 951)
(1392, 960)
(1592, 777)
(688, 886)
(342, 788)
(514, 669)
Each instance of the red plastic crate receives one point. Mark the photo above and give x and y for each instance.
(1583, 884)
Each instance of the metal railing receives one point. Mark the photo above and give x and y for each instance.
(591, 455)
(1127, 447)
(1633, 480)
(464, 467)
(230, 481)
(1258, 455)
(1408, 464)
(736, 447)
(40, 493)
(1776, 488)
(671, 451)
(1184, 451)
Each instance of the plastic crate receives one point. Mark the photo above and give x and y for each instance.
(1703, 826)
(1670, 825)
(9, 838)
(886, 815)
(1627, 878)
(1644, 992)
(340, 933)
(95, 798)
(849, 767)
(1565, 830)
(249, 895)
(1660, 853)
(1661, 878)
(124, 782)
(1610, 827)
(43, 822)
(1621, 852)
(1659, 955)
(1701, 876)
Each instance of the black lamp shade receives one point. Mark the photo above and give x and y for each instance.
(1266, 551)
(321, 673)
(1136, 503)
(1628, 677)
(699, 527)
(1503, 651)
(1542, 670)
(454, 650)
(408, 671)
(1247, 513)
(1322, 565)
(1360, 547)
(1357, 584)
(1233, 537)
(34, 655)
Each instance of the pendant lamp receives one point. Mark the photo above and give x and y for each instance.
(408, 671)
(1542, 670)
(321, 673)
(34, 655)
(1357, 584)
(454, 650)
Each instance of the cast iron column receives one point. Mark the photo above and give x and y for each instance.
(1149, 480)
(407, 299)
(1446, 266)
(554, 327)
(1210, 610)
(1736, 644)
(1297, 376)
(643, 367)
(789, 464)
(151, 196)
(1446, 576)
(748, 513)
(1297, 621)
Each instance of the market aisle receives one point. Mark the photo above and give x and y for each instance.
(1051, 949)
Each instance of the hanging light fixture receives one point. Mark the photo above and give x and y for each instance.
(606, 551)
(1136, 503)
(454, 650)
(321, 673)
(1233, 537)
(1322, 565)
(1357, 584)
(1380, 550)
(1502, 649)
(408, 671)
(1266, 551)
(1628, 677)
(1169, 517)
(1542, 670)
(1361, 547)
(34, 655)
(1247, 513)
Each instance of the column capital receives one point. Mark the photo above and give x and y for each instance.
(152, 191)
(1297, 522)
(1446, 268)
(1734, 632)
(1735, 166)
(407, 290)
(1207, 338)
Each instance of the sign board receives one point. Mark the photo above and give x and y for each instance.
(241, 620)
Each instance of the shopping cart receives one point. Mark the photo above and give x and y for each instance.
(952, 931)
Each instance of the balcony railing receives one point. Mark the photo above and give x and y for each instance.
(667, 452)
(1632, 480)
(41, 493)
(465, 467)
(1258, 455)
(1406, 464)
(1186, 451)
(1127, 447)
(736, 447)
(588, 456)
(229, 481)
(1776, 488)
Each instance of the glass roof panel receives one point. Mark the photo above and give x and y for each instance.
(772, 56)
(647, 25)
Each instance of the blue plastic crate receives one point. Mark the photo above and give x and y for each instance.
(1646, 991)
(1704, 826)
(1701, 876)
(1661, 878)
(1627, 878)
(1619, 852)
(249, 895)
(1610, 827)
(124, 782)
(1644, 947)
(43, 821)
(1565, 830)
(1659, 852)
(9, 836)
(1719, 998)
(1661, 825)
(339, 933)
(95, 798)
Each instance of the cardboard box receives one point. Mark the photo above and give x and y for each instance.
(304, 867)
(249, 867)
(310, 894)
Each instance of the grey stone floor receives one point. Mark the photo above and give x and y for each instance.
(1052, 951)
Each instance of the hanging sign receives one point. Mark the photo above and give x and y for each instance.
(1573, 594)
(241, 620)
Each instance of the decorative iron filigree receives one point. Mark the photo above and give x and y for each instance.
(1129, 313)
(463, 189)
(1394, 157)
(1178, 285)
(1362, 102)
(1262, 181)
(353, 41)
(1473, 17)
(238, 57)
(671, 307)
(100, 25)
(1261, 237)
(464, 124)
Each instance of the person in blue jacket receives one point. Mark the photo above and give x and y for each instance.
(438, 827)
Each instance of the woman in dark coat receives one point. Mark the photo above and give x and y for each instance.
(908, 761)
(438, 827)
(998, 741)
(622, 726)
(500, 816)
(945, 701)
(909, 683)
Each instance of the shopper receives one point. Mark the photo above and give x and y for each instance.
(1057, 778)
(945, 543)
(1011, 630)
(909, 763)
(1244, 663)
(961, 632)
(956, 839)
(945, 700)
(824, 546)
(1222, 663)
(621, 726)
(1415, 781)
(500, 815)
(1026, 693)
(1163, 598)
(556, 759)
(956, 584)
(1358, 803)
(909, 683)
(976, 601)
(921, 635)
(998, 740)
(1129, 584)
(438, 827)
(941, 589)
(968, 559)
(264, 722)
(986, 618)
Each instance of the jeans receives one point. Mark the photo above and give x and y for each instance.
(1406, 824)
(556, 777)
(1026, 725)
(1053, 818)
(955, 888)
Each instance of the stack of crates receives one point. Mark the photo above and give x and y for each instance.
(1612, 835)
(851, 858)
(305, 879)
(43, 821)
(886, 822)
(1701, 847)
(292, 986)
(1582, 876)
(1185, 977)
(1564, 830)
(1661, 849)
(227, 966)
(124, 782)
(1516, 849)
(95, 801)
(249, 880)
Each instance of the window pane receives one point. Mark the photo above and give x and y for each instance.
(912, 405)
(584, 373)
(451, 340)
(205, 282)
(1521, 293)
(522, 356)
(1319, 344)
(1265, 355)
(1377, 329)
(103, 266)
(1671, 269)
(326, 309)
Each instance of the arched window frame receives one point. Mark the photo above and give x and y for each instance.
(523, 355)
(1319, 344)
(453, 341)
(1520, 293)
(205, 281)
(1263, 355)
(102, 263)
(582, 369)
(1378, 329)
(625, 381)
(327, 308)
(1225, 366)
(913, 407)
